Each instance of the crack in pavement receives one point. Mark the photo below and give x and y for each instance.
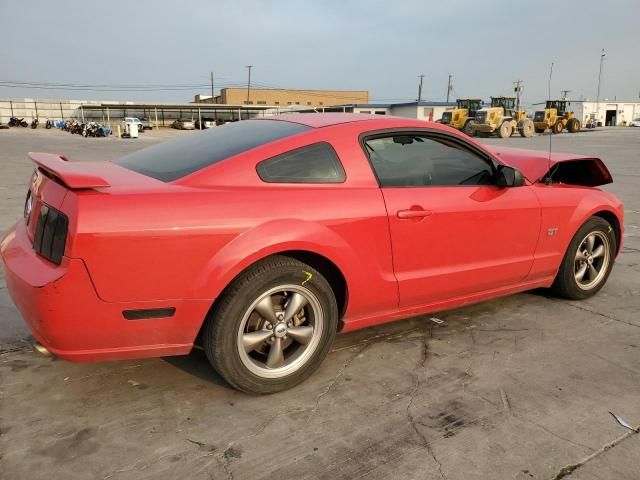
(383, 337)
(417, 384)
(221, 458)
(135, 466)
(616, 364)
(336, 379)
(551, 432)
(572, 467)
(609, 317)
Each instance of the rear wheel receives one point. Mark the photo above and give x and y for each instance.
(557, 127)
(588, 261)
(573, 125)
(505, 130)
(272, 327)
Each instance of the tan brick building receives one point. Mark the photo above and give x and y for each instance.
(287, 98)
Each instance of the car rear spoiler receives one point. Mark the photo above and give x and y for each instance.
(76, 175)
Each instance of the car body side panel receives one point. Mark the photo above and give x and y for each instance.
(475, 238)
(157, 249)
(565, 208)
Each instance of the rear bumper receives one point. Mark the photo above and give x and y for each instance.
(65, 314)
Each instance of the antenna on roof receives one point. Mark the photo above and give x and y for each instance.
(549, 172)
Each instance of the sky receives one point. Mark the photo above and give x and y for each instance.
(165, 50)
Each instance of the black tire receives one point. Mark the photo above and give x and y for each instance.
(573, 125)
(223, 324)
(468, 128)
(565, 284)
(505, 130)
(557, 127)
(525, 127)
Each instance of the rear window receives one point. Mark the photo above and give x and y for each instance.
(317, 163)
(175, 159)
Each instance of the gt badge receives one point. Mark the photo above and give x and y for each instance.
(552, 231)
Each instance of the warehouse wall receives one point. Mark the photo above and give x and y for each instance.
(43, 109)
(283, 97)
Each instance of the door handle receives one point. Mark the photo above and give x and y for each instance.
(414, 212)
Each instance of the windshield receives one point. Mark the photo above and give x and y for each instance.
(177, 158)
(506, 103)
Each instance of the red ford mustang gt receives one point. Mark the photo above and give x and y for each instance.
(263, 238)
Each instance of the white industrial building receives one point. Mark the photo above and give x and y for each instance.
(606, 112)
(428, 111)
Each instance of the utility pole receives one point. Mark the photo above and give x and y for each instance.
(420, 88)
(249, 67)
(564, 94)
(602, 55)
(213, 97)
(449, 87)
(518, 89)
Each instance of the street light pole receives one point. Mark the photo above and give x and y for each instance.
(602, 55)
(420, 88)
(249, 67)
(213, 98)
(517, 87)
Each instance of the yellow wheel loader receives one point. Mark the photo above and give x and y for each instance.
(462, 116)
(556, 117)
(503, 119)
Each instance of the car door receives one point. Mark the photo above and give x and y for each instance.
(453, 231)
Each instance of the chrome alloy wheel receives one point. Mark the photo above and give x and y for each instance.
(280, 331)
(592, 260)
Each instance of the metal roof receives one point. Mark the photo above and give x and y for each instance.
(424, 104)
(174, 106)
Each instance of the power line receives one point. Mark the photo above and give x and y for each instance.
(87, 87)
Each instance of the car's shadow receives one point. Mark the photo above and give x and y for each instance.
(197, 364)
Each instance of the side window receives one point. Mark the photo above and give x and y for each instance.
(409, 160)
(317, 163)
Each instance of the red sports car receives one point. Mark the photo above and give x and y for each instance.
(261, 239)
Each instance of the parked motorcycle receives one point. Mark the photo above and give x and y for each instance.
(34, 123)
(18, 122)
(93, 129)
(48, 125)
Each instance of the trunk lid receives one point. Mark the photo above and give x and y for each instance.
(50, 210)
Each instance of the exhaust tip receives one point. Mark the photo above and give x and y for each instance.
(41, 348)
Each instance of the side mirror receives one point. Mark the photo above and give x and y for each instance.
(509, 177)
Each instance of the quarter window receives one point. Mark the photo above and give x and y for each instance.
(410, 160)
(317, 163)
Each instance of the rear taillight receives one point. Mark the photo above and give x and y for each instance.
(28, 207)
(51, 234)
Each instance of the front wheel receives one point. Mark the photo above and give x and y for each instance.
(505, 130)
(557, 127)
(588, 261)
(468, 128)
(573, 125)
(272, 327)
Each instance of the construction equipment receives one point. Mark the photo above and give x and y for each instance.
(462, 116)
(556, 117)
(502, 118)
